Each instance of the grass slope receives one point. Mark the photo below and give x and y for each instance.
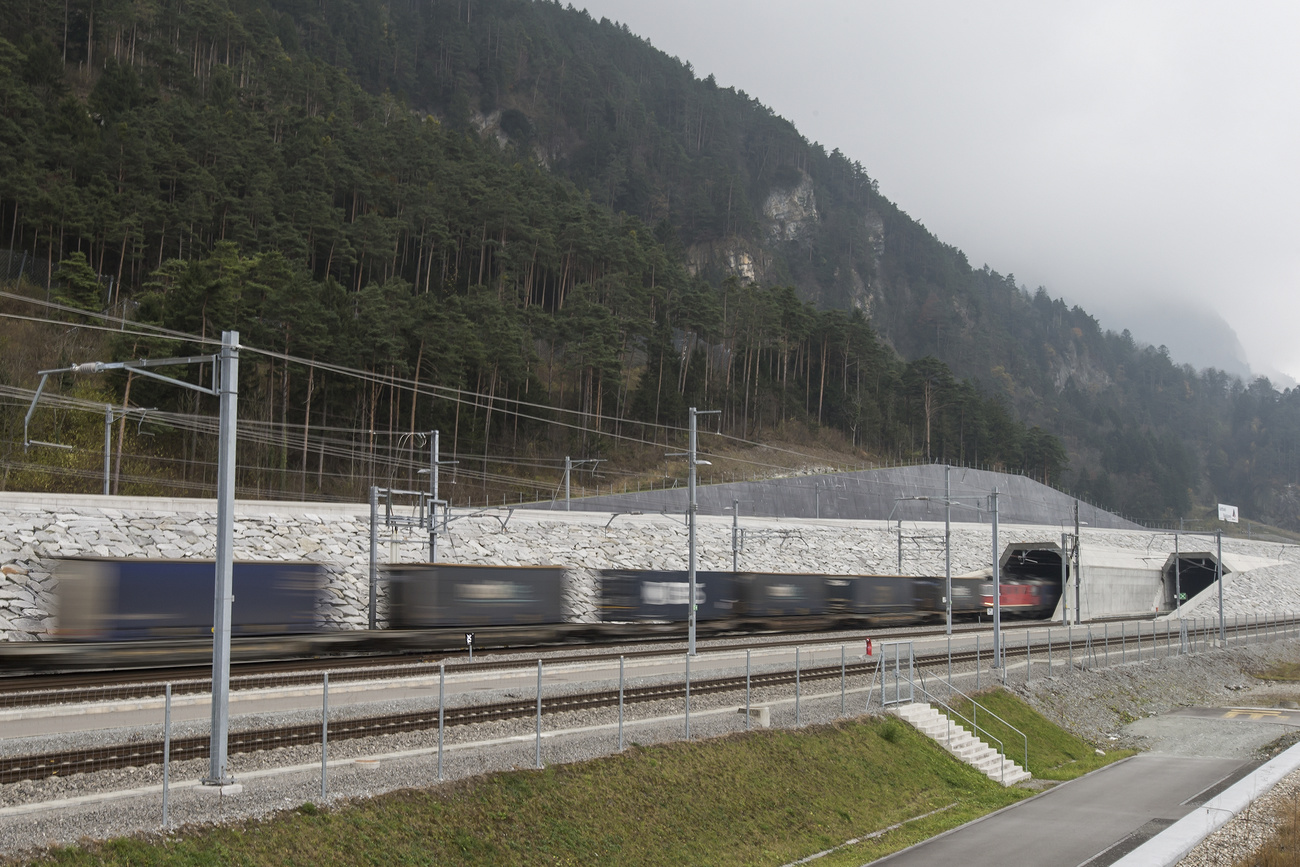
(767, 797)
(1054, 753)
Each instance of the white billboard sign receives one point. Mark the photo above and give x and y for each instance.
(1228, 513)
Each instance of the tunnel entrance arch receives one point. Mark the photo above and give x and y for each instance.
(1036, 565)
(1196, 572)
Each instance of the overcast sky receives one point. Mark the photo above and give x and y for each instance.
(1141, 160)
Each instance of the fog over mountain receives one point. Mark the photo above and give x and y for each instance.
(1194, 335)
(1133, 158)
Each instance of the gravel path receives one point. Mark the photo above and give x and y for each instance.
(1101, 705)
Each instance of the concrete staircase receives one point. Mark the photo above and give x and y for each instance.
(962, 744)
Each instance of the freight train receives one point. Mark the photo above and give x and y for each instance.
(104, 600)
(127, 600)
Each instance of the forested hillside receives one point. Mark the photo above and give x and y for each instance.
(565, 234)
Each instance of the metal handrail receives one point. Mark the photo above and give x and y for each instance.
(1002, 751)
(976, 707)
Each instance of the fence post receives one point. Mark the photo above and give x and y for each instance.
(620, 704)
(797, 721)
(1029, 664)
(747, 716)
(977, 663)
(688, 696)
(442, 679)
(539, 714)
(842, 674)
(324, 730)
(167, 748)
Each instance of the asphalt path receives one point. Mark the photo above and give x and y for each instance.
(1096, 819)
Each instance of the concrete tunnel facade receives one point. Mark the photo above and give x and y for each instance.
(1115, 582)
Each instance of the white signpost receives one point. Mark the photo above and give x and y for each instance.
(1227, 513)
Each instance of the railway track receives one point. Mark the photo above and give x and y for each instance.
(87, 686)
(45, 765)
(199, 686)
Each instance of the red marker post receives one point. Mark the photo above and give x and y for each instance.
(868, 647)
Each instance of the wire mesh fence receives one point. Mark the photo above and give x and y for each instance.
(452, 717)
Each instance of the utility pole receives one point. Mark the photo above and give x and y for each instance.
(1218, 577)
(433, 497)
(1178, 580)
(997, 588)
(947, 545)
(1065, 579)
(372, 616)
(225, 387)
(228, 391)
(900, 546)
(1078, 570)
(569, 464)
(735, 535)
(108, 443)
(691, 508)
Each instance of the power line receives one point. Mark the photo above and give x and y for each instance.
(475, 400)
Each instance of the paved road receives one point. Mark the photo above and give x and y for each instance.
(1097, 818)
(1070, 824)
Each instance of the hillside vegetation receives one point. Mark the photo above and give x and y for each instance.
(533, 231)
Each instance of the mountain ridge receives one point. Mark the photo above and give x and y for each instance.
(256, 140)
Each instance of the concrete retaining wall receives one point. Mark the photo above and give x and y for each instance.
(39, 529)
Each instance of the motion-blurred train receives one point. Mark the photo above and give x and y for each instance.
(115, 600)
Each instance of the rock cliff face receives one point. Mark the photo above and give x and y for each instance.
(790, 215)
(733, 256)
(791, 212)
(1069, 363)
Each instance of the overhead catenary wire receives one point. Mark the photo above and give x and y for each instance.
(474, 400)
(389, 379)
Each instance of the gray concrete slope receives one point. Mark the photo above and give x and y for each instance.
(877, 494)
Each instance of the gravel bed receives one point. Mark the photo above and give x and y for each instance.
(1097, 704)
(1250, 829)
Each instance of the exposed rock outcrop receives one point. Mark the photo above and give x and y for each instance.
(791, 211)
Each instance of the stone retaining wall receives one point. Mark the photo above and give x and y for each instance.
(39, 529)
